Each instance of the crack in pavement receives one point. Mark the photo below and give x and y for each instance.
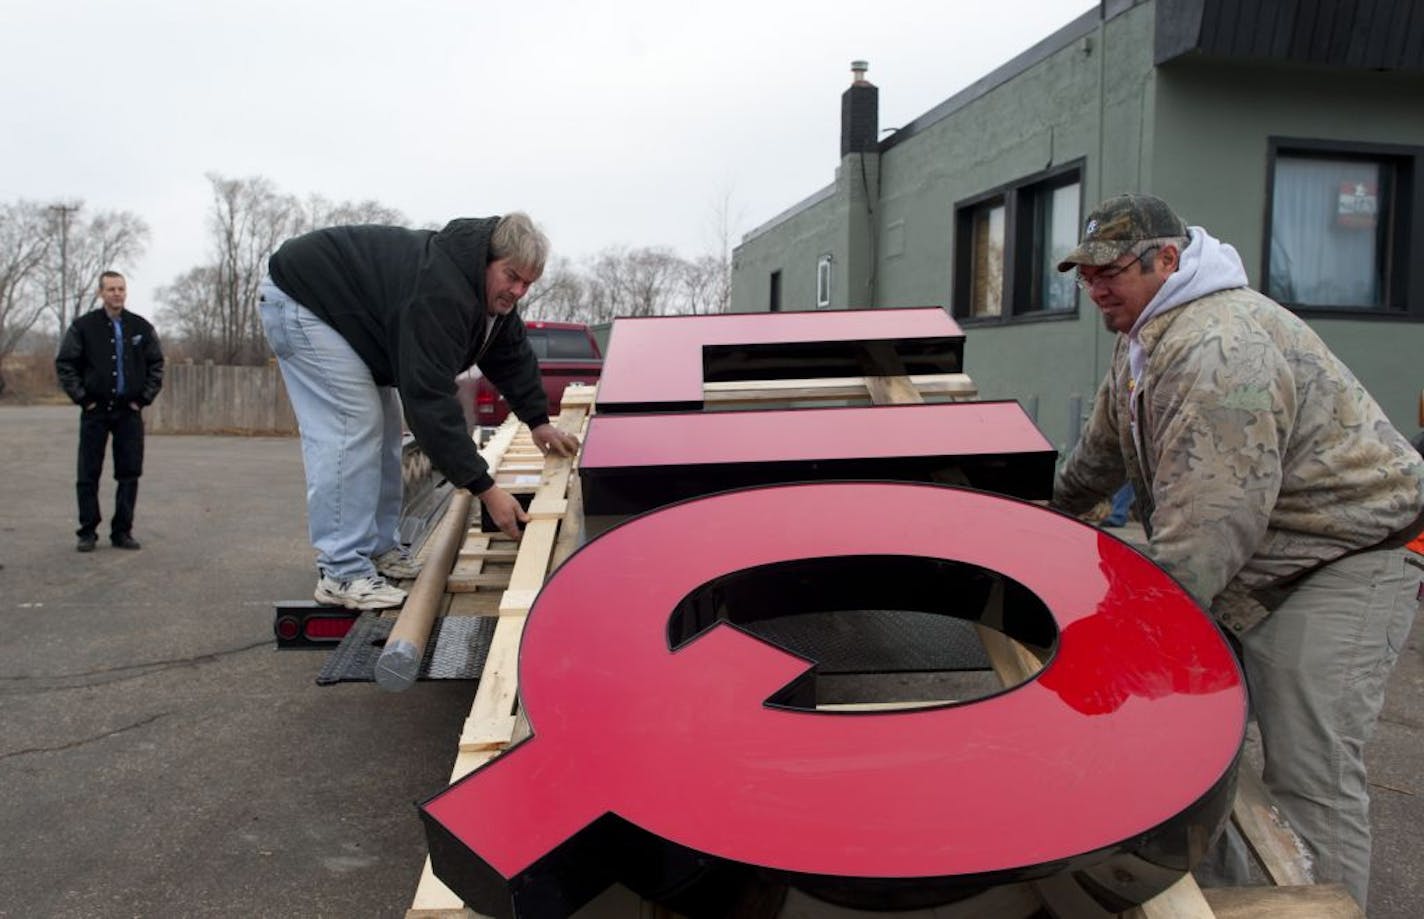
(85, 741)
(26, 683)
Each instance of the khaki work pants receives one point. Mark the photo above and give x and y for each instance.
(1316, 669)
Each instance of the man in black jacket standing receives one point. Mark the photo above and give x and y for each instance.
(369, 320)
(110, 364)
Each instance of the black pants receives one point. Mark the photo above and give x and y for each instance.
(95, 426)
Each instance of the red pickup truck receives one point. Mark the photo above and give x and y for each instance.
(567, 353)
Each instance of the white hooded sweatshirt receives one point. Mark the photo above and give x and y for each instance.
(1207, 265)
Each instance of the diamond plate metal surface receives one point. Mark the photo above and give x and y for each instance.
(456, 650)
(877, 641)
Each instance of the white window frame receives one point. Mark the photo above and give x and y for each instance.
(823, 282)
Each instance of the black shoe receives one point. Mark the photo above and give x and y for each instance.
(125, 542)
(86, 544)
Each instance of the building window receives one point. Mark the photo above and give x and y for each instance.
(986, 259)
(774, 299)
(823, 282)
(1055, 234)
(1009, 242)
(1338, 237)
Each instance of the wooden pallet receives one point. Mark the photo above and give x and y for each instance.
(493, 576)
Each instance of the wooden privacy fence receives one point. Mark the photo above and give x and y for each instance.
(213, 398)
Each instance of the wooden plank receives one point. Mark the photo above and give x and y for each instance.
(499, 683)
(1273, 843)
(1012, 662)
(491, 721)
(516, 602)
(470, 564)
(469, 582)
(548, 509)
(892, 390)
(522, 468)
(1183, 900)
(851, 390)
(880, 706)
(485, 603)
(576, 396)
(515, 487)
(485, 552)
(433, 900)
(1308, 901)
(491, 734)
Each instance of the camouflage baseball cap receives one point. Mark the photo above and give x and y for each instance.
(1118, 224)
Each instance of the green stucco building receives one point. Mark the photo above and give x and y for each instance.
(1292, 129)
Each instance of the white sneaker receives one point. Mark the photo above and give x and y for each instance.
(396, 563)
(361, 593)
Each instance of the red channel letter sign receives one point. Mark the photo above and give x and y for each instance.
(636, 462)
(660, 363)
(1115, 763)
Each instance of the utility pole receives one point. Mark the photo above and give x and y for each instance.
(63, 211)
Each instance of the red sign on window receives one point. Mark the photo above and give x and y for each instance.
(1358, 206)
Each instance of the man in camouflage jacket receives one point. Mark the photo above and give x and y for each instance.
(1272, 486)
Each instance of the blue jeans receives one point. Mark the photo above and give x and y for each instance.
(351, 437)
(1121, 507)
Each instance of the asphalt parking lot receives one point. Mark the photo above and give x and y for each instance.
(159, 758)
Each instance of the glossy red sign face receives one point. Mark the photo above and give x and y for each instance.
(660, 363)
(1127, 738)
(878, 433)
(634, 463)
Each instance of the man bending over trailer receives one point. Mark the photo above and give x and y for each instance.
(359, 314)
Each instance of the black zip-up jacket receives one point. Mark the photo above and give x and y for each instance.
(88, 370)
(411, 303)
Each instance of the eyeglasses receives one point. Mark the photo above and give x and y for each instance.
(1108, 275)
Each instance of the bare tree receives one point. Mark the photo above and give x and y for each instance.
(25, 240)
(709, 277)
(319, 212)
(213, 307)
(560, 295)
(706, 284)
(618, 281)
(248, 220)
(637, 282)
(192, 311)
(111, 240)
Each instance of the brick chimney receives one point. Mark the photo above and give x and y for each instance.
(860, 113)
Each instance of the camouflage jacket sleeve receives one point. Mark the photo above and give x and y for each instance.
(1095, 469)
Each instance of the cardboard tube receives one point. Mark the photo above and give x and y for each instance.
(399, 663)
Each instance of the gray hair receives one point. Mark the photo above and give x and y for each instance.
(519, 240)
(1142, 247)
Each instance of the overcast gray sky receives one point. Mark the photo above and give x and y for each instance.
(611, 123)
